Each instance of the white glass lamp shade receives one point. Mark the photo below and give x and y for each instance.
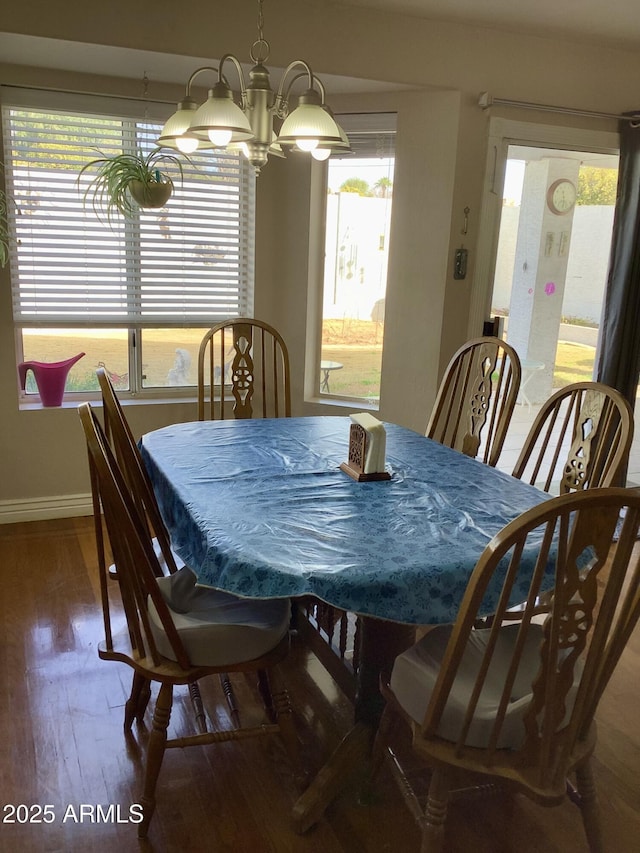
(344, 146)
(308, 126)
(175, 134)
(275, 149)
(220, 119)
(325, 150)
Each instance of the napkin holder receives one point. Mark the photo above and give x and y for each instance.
(360, 440)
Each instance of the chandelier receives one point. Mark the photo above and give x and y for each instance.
(245, 120)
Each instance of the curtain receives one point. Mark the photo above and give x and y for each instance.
(618, 354)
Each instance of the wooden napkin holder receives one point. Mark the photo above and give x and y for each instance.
(354, 466)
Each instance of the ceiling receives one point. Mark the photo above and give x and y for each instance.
(616, 22)
(17, 49)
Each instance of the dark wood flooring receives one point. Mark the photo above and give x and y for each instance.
(62, 745)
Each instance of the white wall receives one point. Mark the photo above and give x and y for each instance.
(587, 265)
(588, 262)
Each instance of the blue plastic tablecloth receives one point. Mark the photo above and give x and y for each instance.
(260, 508)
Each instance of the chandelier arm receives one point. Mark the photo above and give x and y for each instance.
(283, 94)
(213, 68)
(295, 79)
(223, 79)
(198, 71)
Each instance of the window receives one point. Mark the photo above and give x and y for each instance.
(134, 295)
(357, 226)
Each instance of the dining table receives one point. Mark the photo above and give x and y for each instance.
(261, 508)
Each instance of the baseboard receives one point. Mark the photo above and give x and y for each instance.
(40, 509)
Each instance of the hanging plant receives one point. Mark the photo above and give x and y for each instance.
(4, 230)
(4, 226)
(125, 182)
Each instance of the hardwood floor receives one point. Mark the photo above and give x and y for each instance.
(62, 745)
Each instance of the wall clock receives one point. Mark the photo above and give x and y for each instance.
(561, 196)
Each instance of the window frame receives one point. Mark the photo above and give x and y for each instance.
(145, 115)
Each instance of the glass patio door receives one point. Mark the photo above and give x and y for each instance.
(552, 259)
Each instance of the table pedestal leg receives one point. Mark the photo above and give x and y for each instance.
(347, 758)
(380, 643)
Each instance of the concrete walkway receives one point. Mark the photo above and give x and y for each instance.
(578, 334)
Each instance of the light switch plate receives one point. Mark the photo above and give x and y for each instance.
(460, 264)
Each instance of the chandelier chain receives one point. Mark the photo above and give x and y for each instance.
(145, 94)
(260, 49)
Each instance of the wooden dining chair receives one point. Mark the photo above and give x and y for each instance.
(580, 439)
(243, 367)
(176, 632)
(515, 702)
(130, 461)
(119, 434)
(476, 399)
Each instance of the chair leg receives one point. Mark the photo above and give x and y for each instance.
(380, 751)
(383, 752)
(155, 754)
(589, 807)
(435, 813)
(385, 727)
(264, 689)
(143, 701)
(225, 681)
(198, 707)
(132, 706)
(284, 718)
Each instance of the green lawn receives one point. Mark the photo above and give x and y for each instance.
(574, 363)
(357, 347)
(360, 376)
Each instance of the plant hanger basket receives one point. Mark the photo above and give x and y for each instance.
(153, 194)
(126, 182)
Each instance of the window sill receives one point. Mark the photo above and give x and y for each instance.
(345, 402)
(27, 405)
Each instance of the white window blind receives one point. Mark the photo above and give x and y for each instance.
(370, 134)
(190, 263)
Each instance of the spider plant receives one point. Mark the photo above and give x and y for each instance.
(4, 226)
(4, 230)
(125, 182)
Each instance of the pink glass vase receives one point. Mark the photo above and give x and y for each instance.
(50, 378)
